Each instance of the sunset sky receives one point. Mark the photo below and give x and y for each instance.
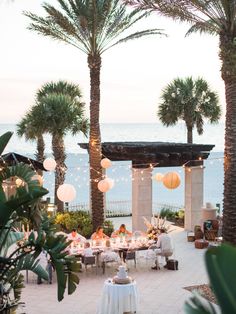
(133, 74)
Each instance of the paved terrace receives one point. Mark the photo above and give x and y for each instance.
(160, 291)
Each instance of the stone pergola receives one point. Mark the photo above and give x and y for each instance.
(147, 155)
(12, 159)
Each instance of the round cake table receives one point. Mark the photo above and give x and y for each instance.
(118, 299)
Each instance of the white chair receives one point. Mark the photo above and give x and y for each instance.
(109, 257)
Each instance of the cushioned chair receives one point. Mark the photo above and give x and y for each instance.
(109, 257)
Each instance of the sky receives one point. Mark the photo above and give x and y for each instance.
(133, 74)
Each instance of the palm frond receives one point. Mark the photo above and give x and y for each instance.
(214, 16)
(91, 26)
(203, 28)
(137, 35)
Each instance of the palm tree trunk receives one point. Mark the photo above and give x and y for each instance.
(227, 54)
(40, 151)
(95, 153)
(59, 154)
(189, 134)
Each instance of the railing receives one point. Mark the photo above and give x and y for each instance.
(124, 208)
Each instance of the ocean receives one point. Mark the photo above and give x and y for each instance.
(78, 170)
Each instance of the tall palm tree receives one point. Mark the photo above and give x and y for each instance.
(216, 17)
(92, 26)
(191, 101)
(31, 128)
(62, 114)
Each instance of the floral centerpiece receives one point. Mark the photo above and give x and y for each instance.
(155, 226)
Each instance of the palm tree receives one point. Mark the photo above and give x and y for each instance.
(62, 114)
(191, 101)
(31, 128)
(217, 18)
(92, 26)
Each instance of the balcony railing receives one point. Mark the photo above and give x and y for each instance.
(124, 208)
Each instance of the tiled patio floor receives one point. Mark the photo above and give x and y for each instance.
(160, 291)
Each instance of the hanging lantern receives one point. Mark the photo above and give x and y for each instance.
(19, 182)
(158, 177)
(38, 178)
(106, 163)
(49, 164)
(66, 192)
(104, 185)
(171, 180)
(110, 182)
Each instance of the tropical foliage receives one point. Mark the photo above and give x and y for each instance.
(15, 257)
(82, 220)
(73, 219)
(217, 18)
(93, 27)
(61, 109)
(58, 110)
(220, 263)
(191, 101)
(31, 128)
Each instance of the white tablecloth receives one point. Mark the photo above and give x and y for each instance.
(117, 299)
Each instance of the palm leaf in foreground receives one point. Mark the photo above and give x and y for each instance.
(220, 263)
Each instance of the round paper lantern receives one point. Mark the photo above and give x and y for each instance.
(49, 164)
(38, 178)
(171, 180)
(104, 185)
(66, 193)
(158, 177)
(19, 182)
(106, 163)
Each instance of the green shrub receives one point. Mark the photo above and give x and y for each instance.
(108, 227)
(73, 219)
(181, 214)
(167, 213)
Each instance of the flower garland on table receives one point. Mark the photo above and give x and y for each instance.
(155, 226)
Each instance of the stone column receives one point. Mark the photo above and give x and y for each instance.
(193, 196)
(141, 197)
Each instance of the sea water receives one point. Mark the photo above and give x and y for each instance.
(78, 167)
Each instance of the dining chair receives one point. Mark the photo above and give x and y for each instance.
(131, 255)
(89, 260)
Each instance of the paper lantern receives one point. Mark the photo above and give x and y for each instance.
(171, 180)
(38, 178)
(66, 193)
(106, 163)
(49, 164)
(19, 182)
(104, 185)
(158, 177)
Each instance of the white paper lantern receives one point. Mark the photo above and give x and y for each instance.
(49, 164)
(66, 193)
(38, 178)
(106, 163)
(19, 182)
(158, 177)
(104, 185)
(171, 180)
